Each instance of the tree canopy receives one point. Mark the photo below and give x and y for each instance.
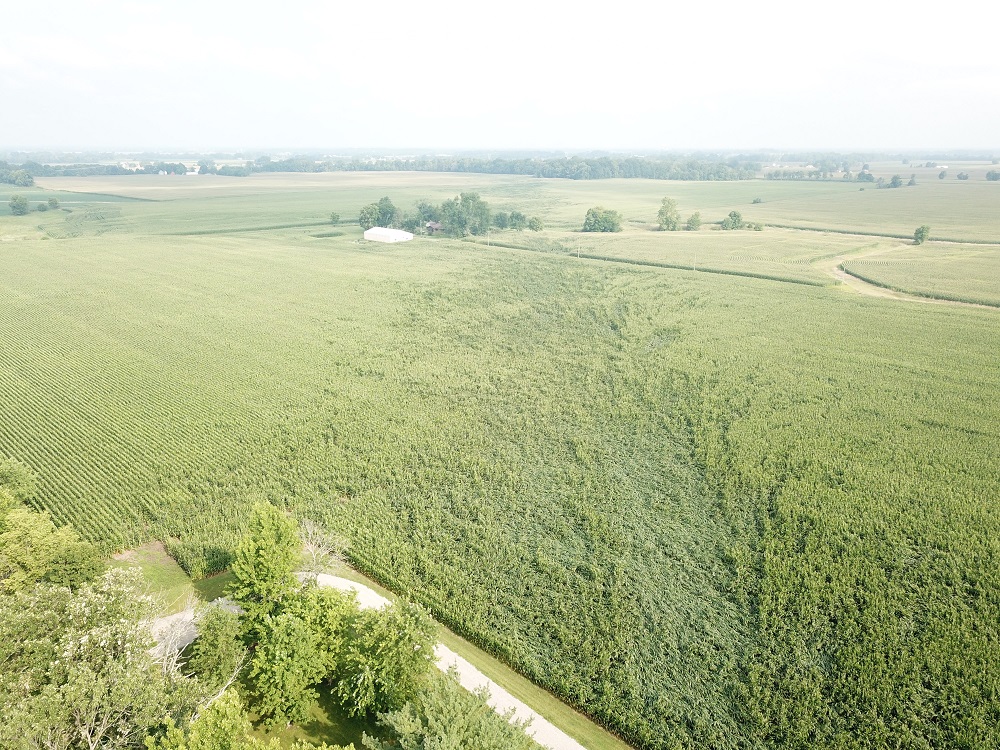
(265, 561)
(78, 671)
(921, 234)
(669, 218)
(733, 221)
(466, 214)
(600, 219)
(18, 205)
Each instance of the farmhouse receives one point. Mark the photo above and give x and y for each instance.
(433, 226)
(384, 234)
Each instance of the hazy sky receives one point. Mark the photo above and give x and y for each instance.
(432, 74)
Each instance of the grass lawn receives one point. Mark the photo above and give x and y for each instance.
(164, 576)
(327, 722)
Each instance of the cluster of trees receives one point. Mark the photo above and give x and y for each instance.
(302, 636)
(799, 174)
(894, 182)
(600, 219)
(11, 176)
(669, 218)
(463, 215)
(19, 205)
(162, 166)
(863, 176)
(993, 175)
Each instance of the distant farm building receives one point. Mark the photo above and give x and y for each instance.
(384, 234)
(433, 226)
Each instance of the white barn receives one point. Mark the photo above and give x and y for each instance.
(384, 234)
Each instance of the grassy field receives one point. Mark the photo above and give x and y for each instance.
(943, 271)
(711, 510)
(953, 209)
(164, 577)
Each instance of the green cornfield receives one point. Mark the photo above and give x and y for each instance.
(712, 510)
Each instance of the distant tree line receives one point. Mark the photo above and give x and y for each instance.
(574, 167)
(34, 169)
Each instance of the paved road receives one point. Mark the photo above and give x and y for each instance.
(178, 630)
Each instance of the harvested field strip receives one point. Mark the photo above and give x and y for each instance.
(944, 296)
(659, 264)
(237, 230)
(865, 233)
(723, 271)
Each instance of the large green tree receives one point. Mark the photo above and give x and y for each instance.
(286, 666)
(388, 654)
(921, 234)
(368, 216)
(265, 562)
(33, 549)
(669, 218)
(18, 205)
(78, 671)
(445, 715)
(224, 725)
(388, 214)
(218, 653)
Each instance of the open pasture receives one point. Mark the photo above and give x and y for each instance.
(712, 511)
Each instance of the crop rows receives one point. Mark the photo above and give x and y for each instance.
(710, 512)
